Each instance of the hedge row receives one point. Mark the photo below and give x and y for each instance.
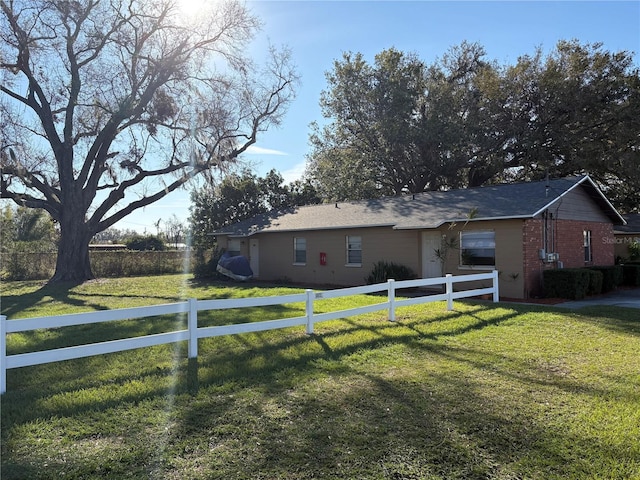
(631, 275)
(119, 263)
(576, 283)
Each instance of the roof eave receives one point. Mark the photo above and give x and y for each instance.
(311, 229)
(459, 220)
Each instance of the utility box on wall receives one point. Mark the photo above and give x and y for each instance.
(323, 258)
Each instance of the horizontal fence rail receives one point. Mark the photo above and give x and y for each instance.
(193, 333)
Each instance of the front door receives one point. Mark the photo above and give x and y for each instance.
(431, 266)
(254, 256)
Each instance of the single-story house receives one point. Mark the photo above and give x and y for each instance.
(625, 235)
(519, 229)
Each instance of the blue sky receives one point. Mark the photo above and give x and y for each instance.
(318, 32)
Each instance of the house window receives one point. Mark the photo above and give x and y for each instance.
(233, 247)
(354, 250)
(586, 235)
(300, 250)
(478, 248)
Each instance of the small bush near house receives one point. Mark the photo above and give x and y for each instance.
(571, 283)
(595, 282)
(206, 262)
(634, 251)
(611, 276)
(631, 275)
(383, 271)
(141, 243)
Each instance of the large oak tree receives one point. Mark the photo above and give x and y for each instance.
(395, 125)
(109, 105)
(400, 125)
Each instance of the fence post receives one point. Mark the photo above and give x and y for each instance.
(3, 354)
(309, 309)
(192, 326)
(449, 290)
(496, 293)
(391, 289)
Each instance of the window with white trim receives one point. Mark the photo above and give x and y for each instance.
(354, 250)
(588, 254)
(300, 250)
(478, 248)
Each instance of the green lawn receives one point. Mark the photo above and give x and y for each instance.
(486, 391)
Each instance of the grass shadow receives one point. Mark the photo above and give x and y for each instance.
(291, 402)
(618, 319)
(13, 305)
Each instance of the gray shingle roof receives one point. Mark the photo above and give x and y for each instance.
(424, 210)
(632, 226)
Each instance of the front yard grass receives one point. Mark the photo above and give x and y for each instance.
(487, 391)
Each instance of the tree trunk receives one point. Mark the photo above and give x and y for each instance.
(73, 263)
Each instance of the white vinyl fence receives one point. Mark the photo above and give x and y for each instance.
(192, 306)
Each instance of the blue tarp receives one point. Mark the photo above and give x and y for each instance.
(235, 267)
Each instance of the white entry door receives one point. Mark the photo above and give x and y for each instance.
(254, 256)
(431, 266)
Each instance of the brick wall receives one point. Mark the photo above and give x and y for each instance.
(568, 245)
(532, 267)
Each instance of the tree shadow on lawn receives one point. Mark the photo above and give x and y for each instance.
(617, 319)
(316, 412)
(268, 345)
(449, 425)
(239, 352)
(64, 293)
(13, 304)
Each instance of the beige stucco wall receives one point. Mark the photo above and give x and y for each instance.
(622, 242)
(509, 254)
(277, 255)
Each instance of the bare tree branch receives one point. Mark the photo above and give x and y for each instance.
(123, 96)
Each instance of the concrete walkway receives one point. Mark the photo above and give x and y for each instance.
(619, 298)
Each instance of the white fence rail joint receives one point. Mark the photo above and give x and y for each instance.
(193, 333)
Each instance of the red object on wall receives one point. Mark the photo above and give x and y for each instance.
(323, 258)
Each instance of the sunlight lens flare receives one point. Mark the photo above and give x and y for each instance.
(191, 9)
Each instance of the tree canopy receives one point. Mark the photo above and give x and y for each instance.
(400, 125)
(24, 229)
(109, 105)
(240, 196)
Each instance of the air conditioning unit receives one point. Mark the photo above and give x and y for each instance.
(552, 257)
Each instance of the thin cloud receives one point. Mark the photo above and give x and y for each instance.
(254, 150)
(294, 173)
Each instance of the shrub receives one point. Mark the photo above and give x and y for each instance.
(611, 276)
(132, 263)
(634, 250)
(27, 265)
(206, 262)
(595, 282)
(114, 263)
(140, 243)
(631, 275)
(571, 283)
(383, 271)
(32, 260)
